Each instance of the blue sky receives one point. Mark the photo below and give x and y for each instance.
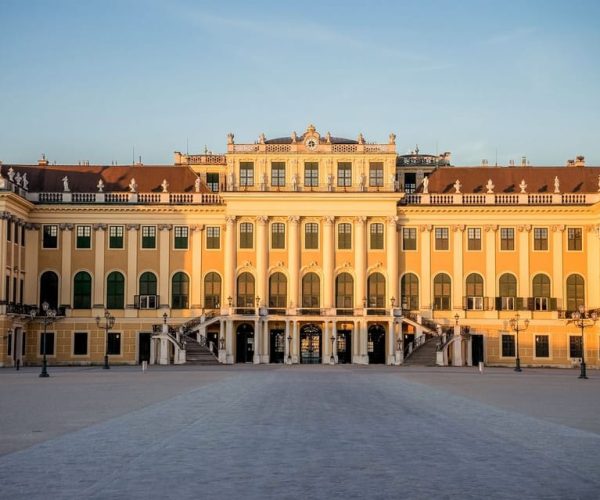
(89, 80)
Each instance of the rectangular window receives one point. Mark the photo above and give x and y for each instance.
(441, 238)
(212, 181)
(80, 344)
(181, 237)
(541, 303)
(574, 237)
(474, 238)
(115, 237)
(507, 303)
(23, 236)
(50, 237)
(84, 237)
(508, 346)
(311, 236)
(8, 230)
(49, 344)
(278, 235)
(246, 173)
(21, 289)
(575, 347)
(540, 238)
(213, 238)
(114, 343)
(542, 346)
(409, 238)
(311, 174)
(344, 174)
(148, 236)
(246, 235)
(376, 232)
(507, 238)
(278, 174)
(376, 174)
(344, 236)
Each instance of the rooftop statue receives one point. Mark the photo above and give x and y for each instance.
(165, 186)
(100, 186)
(197, 185)
(133, 185)
(490, 186)
(556, 185)
(25, 181)
(457, 186)
(425, 185)
(523, 187)
(65, 181)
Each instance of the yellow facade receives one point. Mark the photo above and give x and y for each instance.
(308, 205)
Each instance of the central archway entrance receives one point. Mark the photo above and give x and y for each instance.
(244, 352)
(310, 344)
(376, 345)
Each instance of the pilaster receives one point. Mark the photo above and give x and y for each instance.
(293, 258)
(490, 260)
(132, 253)
(99, 245)
(66, 231)
(457, 264)
(328, 261)
(164, 255)
(557, 264)
(230, 259)
(32, 247)
(392, 258)
(524, 281)
(360, 260)
(425, 245)
(262, 248)
(196, 299)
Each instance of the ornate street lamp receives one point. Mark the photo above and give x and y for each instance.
(165, 317)
(516, 327)
(48, 317)
(393, 302)
(257, 300)
(364, 302)
(230, 300)
(289, 357)
(109, 322)
(332, 358)
(456, 318)
(583, 319)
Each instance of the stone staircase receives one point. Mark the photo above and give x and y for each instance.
(424, 355)
(196, 354)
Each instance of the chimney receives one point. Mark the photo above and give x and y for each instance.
(42, 162)
(524, 161)
(484, 163)
(580, 161)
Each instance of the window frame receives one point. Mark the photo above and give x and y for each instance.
(344, 174)
(409, 229)
(77, 236)
(118, 335)
(577, 240)
(344, 236)
(544, 240)
(570, 346)
(208, 237)
(74, 344)
(56, 236)
(376, 180)
(478, 239)
(510, 240)
(142, 237)
(246, 224)
(246, 180)
(376, 234)
(281, 234)
(116, 227)
(437, 239)
(535, 346)
(511, 346)
(40, 340)
(313, 168)
(278, 180)
(316, 233)
(181, 238)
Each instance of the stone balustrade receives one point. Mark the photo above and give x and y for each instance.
(501, 199)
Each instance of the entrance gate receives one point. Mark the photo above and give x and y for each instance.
(376, 345)
(244, 343)
(277, 346)
(344, 346)
(310, 344)
(144, 347)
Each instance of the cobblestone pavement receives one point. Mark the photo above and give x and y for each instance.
(307, 432)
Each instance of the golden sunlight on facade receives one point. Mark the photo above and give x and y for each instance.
(302, 249)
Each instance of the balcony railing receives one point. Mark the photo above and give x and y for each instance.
(127, 198)
(501, 199)
(25, 310)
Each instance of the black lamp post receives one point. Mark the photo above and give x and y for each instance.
(48, 317)
(289, 357)
(332, 357)
(514, 324)
(109, 322)
(456, 318)
(582, 319)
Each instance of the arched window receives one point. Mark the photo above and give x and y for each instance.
(180, 291)
(82, 291)
(277, 290)
(507, 288)
(541, 293)
(147, 293)
(49, 289)
(575, 292)
(245, 290)
(474, 298)
(344, 291)
(311, 290)
(212, 291)
(376, 290)
(409, 288)
(442, 293)
(115, 291)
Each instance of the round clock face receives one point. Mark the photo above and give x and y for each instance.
(311, 144)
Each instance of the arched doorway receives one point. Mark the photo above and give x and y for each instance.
(49, 289)
(310, 344)
(278, 340)
(376, 345)
(344, 346)
(244, 343)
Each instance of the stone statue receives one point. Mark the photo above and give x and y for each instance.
(294, 137)
(230, 137)
(425, 185)
(25, 181)
(133, 185)
(490, 186)
(295, 182)
(328, 137)
(393, 182)
(2, 180)
(165, 186)
(11, 174)
(523, 187)
(362, 181)
(18, 179)
(230, 181)
(329, 182)
(392, 138)
(556, 185)
(197, 185)
(65, 181)
(262, 138)
(361, 139)
(457, 186)
(100, 186)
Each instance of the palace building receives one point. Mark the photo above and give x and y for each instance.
(308, 248)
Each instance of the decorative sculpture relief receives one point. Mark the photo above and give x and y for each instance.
(18, 179)
(133, 186)
(100, 186)
(426, 185)
(392, 138)
(523, 187)
(457, 186)
(165, 186)
(25, 181)
(490, 186)
(197, 185)
(294, 219)
(11, 175)
(295, 181)
(65, 181)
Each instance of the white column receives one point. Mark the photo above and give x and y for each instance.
(364, 339)
(593, 265)
(392, 259)
(266, 344)
(66, 231)
(557, 265)
(164, 246)
(294, 259)
(328, 261)
(222, 335)
(457, 267)
(230, 259)
(32, 245)
(229, 341)
(3, 291)
(99, 278)
(360, 261)
(287, 353)
(257, 342)
(132, 253)
(295, 343)
(390, 343)
(426, 295)
(490, 261)
(196, 300)
(325, 343)
(262, 249)
(524, 288)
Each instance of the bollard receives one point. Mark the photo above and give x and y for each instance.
(481, 367)
(144, 366)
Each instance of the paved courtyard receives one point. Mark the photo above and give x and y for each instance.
(299, 432)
